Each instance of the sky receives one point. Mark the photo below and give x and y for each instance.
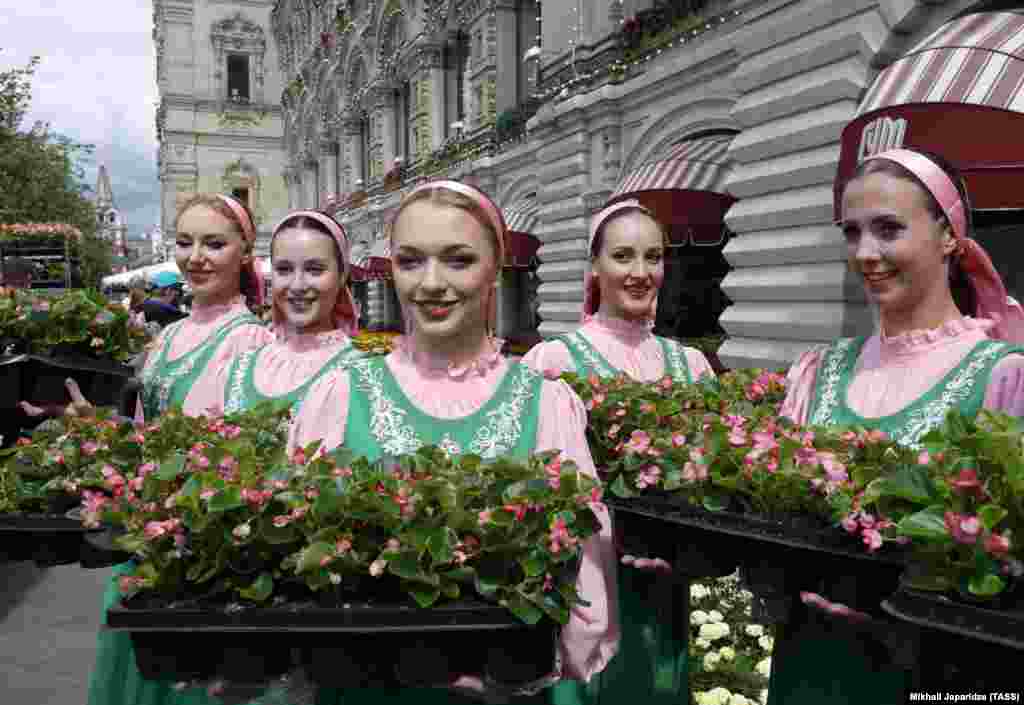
(95, 83)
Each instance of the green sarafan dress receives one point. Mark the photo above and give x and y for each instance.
(115, 679)
(383, 421)
(816, 661)
(651, 667)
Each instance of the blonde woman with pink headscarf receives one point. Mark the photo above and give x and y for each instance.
(948, 340)
(313, 316)
(620, 299)
(447, 384)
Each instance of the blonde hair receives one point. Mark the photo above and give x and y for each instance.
(446, 197)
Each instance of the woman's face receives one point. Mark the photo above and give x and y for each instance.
(306, 279)
(892, 241)
(444, 268)
(209, 252)
(630, 266)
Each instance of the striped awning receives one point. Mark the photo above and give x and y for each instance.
(375, 264)
(976, 59)
(697, 165)
(523, 215)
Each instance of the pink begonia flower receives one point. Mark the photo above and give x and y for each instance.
(695, 472)
(733, 420)
(966, 483)
(97, 342)
(924, 457)
(90, 448)
(678, 440)
(136, 483)
(876, 436)
(648, 477)
(638, 442)
(326, 560)
(342, 472)
(207, 493)
(377, 567)
(834, 470)
(343, 546)
(867, 520)
(850, 523)
(108, 471)
(764, 440)
(180, 540)
(738, 436)
(154, 530)
(755, 391)
(613, 431)
(282, 520)
(460, 557)
(549, 582)
(242, 531)
(619, 413)
(129, 583)
(997, 545)
(146, 469)
(964, 529)
(393, 544)
(872, 539)
(484, 517)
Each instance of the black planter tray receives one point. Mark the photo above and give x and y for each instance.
(804, 556)
(358, 644)
(1003, 627)
(47, 539)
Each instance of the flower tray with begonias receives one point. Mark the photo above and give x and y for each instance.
(953, 501)
(215, 506)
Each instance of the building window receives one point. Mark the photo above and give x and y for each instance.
(238, 78)
(366, 134)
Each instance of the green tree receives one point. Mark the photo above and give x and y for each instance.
(42, 177)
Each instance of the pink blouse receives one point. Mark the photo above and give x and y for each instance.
(627, 345)
(201, 323)
(283, 366)
(892, 373)
(591, 637)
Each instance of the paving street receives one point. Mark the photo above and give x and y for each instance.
(48, 632)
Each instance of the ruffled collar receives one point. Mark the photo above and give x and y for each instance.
(626, 331)
(306, 342)
(431, 364)
(202, 314)
(919, 341)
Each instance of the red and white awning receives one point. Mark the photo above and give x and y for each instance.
(977, 59)
(697, 165)
(375, 264)
(523, 215)
(521, 219)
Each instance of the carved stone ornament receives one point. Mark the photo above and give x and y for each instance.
(593, 201)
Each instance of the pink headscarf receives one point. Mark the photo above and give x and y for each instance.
(591, 286)
(992, 301)
(249, 235)
(346, 312)
(494, 217)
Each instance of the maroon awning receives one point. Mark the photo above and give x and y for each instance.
(692, 217)
(520, 249)
(371, 268)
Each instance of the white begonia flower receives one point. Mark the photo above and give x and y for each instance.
(716, 616)
(698, 617)
(755, 630)
(719, 695)
(701, 698)
(766, 642)
(727, 653)
(746, 594)
(702, 643)
(698, 591)
(725, 604)
(738, 699)
(335, 579)
(242, 531)
(763, 696)
(711, 660)
(714, 631)
(764, 666)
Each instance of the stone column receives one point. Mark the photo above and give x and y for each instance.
(506, 50)
(309, 180)
(329, 169)
(433, 74)
(384, 117)
(352, 129)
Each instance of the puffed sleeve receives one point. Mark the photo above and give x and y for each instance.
(698, 363)
(551, 359)
(207, 395)
(1005, 391)
(324, 413)
(800, 386)
(591, 638)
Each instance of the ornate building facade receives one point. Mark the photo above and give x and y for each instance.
(219, 121)
(725, 116)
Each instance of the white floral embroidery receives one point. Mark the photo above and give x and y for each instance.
(387, 420)
(237, 398)
(676, 363)
(504, 426)
(831, 371)
(932, 414)
(589, 354)
(449, 446)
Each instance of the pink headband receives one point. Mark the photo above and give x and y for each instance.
(248, 228)
(591, 287)
(989, 290)
(346, 312)
(495, 218)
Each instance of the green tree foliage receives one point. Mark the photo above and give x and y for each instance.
(41, 175)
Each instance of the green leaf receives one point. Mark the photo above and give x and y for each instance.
(170, 469)
(522, 608)
(226, 500)
(407, 566)
(425, 595)
(910, 482)
(311, 557)
(715, 501)
(990, 515)
(532, 565)
(621, 489)
(261, 588)
(986, 585)
(928, 524)
(440, 543)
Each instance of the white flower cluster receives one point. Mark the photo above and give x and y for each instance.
(722, 696)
